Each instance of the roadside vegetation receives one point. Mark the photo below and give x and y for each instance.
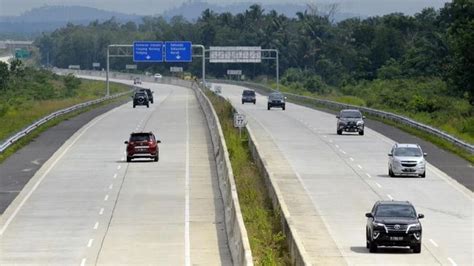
(28, 94)
(262, 222)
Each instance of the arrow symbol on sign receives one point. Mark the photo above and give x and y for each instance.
(148, 57)
(178, 57)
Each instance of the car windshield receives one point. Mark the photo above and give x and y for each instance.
(140, 137)
(249, 93)
(351, 114)
(407, 152)
(276, 96)
(387, 210)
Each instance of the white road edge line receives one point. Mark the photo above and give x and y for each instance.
(83, 262)
(452, 261)
(89, 244)
(96, 225)
(434, 243)
(15, 212)
(187, 252)
(390, 196)
(101, 211)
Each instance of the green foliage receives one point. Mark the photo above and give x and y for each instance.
(267, 241)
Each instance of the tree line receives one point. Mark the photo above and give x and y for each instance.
(314, 50)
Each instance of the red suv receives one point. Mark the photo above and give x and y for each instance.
(142, 145)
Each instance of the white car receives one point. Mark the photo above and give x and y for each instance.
(406, 160)
(158, 76)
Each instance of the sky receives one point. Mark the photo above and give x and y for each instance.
(153, 7)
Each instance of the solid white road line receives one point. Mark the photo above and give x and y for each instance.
(452, 261)
(15, 212)
(434, 243)
(96, 225)
(89, 244)
(187, 249)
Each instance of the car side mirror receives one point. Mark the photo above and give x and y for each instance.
(390, 155)
(338, 117)
(421, 216)
(425, 154)
(125, 142)
(158, 141)
(369, 215)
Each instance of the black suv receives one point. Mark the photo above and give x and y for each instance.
(248, 96)
(148, 92)
(350, 120)
(140, 98)
(276, 99)
(393, 224)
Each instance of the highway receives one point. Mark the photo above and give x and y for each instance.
(330, 181)
(88, 206)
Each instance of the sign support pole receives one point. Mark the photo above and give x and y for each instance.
(203, 60)
(107, 73)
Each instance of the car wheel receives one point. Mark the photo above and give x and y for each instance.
(390, 172)
(423, 175)
(129, 159)
(417, 248)
(254, 102)
(156, 158)
(147, 106)
(339, 132)
(367, 241)
(361, 133)
(134, 106)
(268, 107)
(242, 102)
(152, 101)
(283, 108)
(372, 247)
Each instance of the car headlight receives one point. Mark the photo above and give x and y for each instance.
(416, 226)
(421, 163)
(360, 123)
(376, 224)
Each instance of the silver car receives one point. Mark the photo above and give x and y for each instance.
(406, 160)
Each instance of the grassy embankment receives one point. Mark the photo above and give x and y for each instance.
(17, 112)
(423, 100)
(267, 240)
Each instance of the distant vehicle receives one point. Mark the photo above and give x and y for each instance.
(217, 89)
(406, 160)
(149, 94)
(393, 224)
(137, 81)
(276, 99)
(248, 96)
(350, 120)
(140, 98)
(158, 76)
(142, 145)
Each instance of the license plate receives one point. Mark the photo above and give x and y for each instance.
(141, 149)
(396, 238)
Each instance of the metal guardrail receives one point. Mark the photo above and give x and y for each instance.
(382, 114)
(13, 139)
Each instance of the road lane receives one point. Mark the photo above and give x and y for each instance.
(344, 175)
(93, 207)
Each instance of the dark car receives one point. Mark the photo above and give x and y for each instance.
(276, 99)
(142, 145)
(140, 98)
(350, 120)
(149, 93)
(248, 96)
(393, 224)
(137, 81)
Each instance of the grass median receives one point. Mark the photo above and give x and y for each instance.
(263, 223)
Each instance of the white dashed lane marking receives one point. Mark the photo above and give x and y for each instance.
(434, 243)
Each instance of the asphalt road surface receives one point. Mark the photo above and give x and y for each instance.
(330, 181)
(86, 205)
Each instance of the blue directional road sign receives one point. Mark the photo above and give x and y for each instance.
(146, 51)
(178, 51)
